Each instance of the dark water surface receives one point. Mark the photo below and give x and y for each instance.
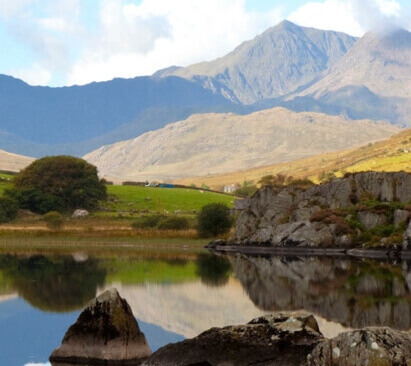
(178, 295)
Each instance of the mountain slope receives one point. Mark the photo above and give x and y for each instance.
(13, 162)
(216, 143)
(42, 120)
(372, 80)
(273, 64)
(393, 154)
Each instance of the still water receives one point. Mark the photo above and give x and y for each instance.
(178, 295)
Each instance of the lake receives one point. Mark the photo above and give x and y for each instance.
(178, 294)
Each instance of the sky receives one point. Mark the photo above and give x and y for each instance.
(68, 42)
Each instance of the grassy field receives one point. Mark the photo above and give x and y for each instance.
(135, 199)
(393, 154)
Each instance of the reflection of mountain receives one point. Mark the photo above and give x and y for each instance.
(355, 294)
(189, 308)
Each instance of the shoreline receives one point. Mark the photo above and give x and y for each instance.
(376, 253)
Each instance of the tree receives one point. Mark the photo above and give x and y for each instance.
(58, 183)
(8, 209)
(213, 270)
(213, 220)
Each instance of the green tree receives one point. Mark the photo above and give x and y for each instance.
(213, 270)
(213, 220)
(8, 209)
(57, 183)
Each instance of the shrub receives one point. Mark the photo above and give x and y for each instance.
(64, 180)
(54, 220)
(8, 209)
(35, 200)
(213, 270)
(247, 191)
(301, 182)
(148, 221)
(214, 219)
(174, 223)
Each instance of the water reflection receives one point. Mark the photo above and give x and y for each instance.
(52, 283)
(351, 292)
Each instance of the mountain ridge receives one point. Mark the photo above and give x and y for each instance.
(216, 143)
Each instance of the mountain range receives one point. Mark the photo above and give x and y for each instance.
(216, 143)
(302, 69)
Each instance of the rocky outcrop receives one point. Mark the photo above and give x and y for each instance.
(275, 339)
(406, 244)
(319, 216)
(287, 339)
(369, 346)
(106, 332)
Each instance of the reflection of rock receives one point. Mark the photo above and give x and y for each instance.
(355, 294)
(105, 331)
(190, 308)
(369, 346)
(277, 339)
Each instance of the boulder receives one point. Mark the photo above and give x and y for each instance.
(106, 332)
(368, 346)
(79, 213)
(275, 339)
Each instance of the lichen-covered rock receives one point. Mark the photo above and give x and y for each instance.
(106, 332)
(281, 216)
(368, 346)
(276, 339)
(371, 219)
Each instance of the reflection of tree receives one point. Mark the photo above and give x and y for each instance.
(61, 285)
(213, 270)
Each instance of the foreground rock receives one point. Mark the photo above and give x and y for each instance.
(360, 209)
(369, 346)
(276, 339)
(106, 332)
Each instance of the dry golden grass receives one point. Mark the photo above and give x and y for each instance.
(393, 154)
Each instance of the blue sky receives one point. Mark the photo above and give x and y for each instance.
(66, 42)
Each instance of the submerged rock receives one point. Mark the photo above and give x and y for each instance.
(368, 346)
(106, 332)
(275, 339)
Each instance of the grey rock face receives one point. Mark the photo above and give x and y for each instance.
(280, 216)
(106, 332)
(406, 244)
(276, 339)
(369, 346)
(370, 219)
(401, 217)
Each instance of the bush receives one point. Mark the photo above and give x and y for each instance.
(8, 209)
(59, 182)
(301, 183)
(245, 191)
(54, 220)
(174, 223)
(35, 200)
(214, 219)
(149, 221)
(213, 270)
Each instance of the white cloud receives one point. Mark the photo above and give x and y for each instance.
(140, 39)
(35, 75)
(354, 17)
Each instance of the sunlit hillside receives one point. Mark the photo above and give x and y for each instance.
(393, 154)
